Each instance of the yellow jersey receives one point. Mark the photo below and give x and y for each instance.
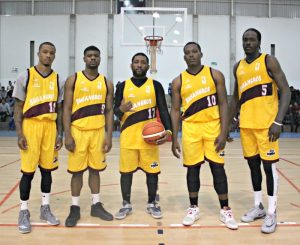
(89, 98)
(199, 96)
(257, 93)
(143, 111)
(41, 95)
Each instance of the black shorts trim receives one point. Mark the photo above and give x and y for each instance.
(47, 170)
(138, 168)
(195, 165)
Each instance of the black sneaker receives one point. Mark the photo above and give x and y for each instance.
(97, 210)
(73, 217)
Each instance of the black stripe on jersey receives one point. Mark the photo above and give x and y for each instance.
(87, 111)
(47, 107)
(256, 91)
(139, 116)
(201, 104)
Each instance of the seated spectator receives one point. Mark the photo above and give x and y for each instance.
(4, 110)
(3, 93)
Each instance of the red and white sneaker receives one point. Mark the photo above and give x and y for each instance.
(226, 216)
(192, 215)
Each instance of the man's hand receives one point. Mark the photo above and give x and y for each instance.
(274, 132)
(220, 142)
(58, 143)
(107, 145)
(70, 143)
(126, 106)
(163, 138)
(176, 149)
(22, 142)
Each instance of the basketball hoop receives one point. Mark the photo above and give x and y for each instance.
(153, 45)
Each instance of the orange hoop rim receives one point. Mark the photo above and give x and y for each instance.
(153, 40)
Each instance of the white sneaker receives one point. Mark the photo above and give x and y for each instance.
(254, 213)
(192, 215)
(270, 223)
(226, 216)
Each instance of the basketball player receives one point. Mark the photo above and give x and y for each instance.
(38, 117)
(258, 77)
(136, 101)
(88, 123)
(201, 94)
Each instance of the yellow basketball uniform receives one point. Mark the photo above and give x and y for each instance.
(39, 125)
(258, 98)
(88, 123)
(135, 152)
(201, 118)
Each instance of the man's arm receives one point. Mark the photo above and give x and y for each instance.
(109, 116)
(163, 111)
(219, 79)
(175, 115)
(118, 100)
(18, 117)
(278, 75)
(59, 120)
(67, 111)
(234, 102)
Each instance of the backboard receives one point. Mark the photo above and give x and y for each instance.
(139, 22)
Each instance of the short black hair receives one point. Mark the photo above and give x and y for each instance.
(93, 48)
(189, 43)
(258, 34)
(140, 54)
(46, 43)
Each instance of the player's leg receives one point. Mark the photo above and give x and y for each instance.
(251, 154)
(193, 186)
(127, 166)
(24, 214)
(48, 162)
(221, 187)
(269, 152)
(29, 161)
(193, 157)
(149, 163)
(77, 164)
(46, 214)
(96, 163)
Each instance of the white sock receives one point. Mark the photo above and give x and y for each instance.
(24, 205)
(45, 198)
(257, 197)
(272, 204)
(75, 201)
(95, 198)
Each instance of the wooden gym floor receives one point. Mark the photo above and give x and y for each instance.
(140, 228)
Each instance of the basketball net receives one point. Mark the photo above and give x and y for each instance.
(153, 45)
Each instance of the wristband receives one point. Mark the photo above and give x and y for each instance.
(277, 123)
(60, 136)
(234, 119)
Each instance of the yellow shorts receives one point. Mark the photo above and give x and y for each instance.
(40, 136)
(145, 159)
(198, 143)
(88, 150)
(256, 142)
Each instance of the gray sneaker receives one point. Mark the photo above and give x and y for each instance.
(24, 221)
(154, 209)
(270, 223)
(124, 211)
(257, 212)
(47, 216)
